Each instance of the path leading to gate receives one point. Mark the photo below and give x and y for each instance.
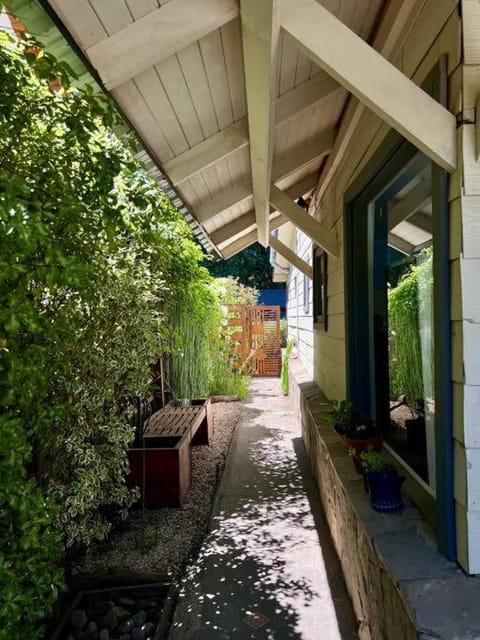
(267, 570)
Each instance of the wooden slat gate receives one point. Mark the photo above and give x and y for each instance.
(255, 336)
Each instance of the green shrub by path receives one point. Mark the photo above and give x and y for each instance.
(200, 355)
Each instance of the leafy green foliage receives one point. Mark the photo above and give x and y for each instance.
(371, 459)
(251, 267)
(410, 312)
(284, 370)
(94, 260)
(201, 362)
(231, 291)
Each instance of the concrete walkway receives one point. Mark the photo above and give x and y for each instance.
(267, 570)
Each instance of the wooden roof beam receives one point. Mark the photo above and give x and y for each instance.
(250, 238)
(239, 226)
(325, 238)
(399, 243)
(156, 36)
(373, 80)
(291, 257)
(394, 25)
(308, 153)
(415, 199)
(235, 137)
(261, 40)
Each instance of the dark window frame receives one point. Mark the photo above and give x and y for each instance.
(320, 291)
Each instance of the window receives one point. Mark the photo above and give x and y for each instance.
(320, 287)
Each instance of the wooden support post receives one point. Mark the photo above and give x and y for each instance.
(317, 232)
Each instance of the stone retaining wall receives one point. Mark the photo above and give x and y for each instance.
(378, 601)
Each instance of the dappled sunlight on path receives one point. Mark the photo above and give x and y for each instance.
(261, 572)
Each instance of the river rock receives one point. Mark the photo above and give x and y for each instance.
(126, 626)
(109, 620)
(102, 607)
(78, 619)
(137, 634)
(148, 629)
(140, 618)
(92, 626)
(126, 602)
(121, 613)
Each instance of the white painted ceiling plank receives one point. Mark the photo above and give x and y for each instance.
(135, 108)
(154, 95)
(288, 66)
(194, 73)
(208, 152)
(173, 82)
(156, 36)
(261, 40)
(282, 168)
(113, 16)
(373, 80)
(304, 68)
(234, 137)
(232, 48)
(81, 19)
(250, 238)
(240, 225)
(140, 8)
(214, 61)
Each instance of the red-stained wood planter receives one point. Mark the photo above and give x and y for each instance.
(162, 465)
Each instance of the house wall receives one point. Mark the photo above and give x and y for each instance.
(299, 317)
(437, 30)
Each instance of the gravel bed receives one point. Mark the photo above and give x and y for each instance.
(163, 540)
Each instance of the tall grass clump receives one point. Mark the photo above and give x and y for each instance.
(409, 326)
(284, 371)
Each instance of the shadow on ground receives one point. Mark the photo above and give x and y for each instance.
(268, 569)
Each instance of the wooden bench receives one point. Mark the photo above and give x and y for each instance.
(164, 458)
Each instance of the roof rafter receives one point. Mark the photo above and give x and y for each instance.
(282, 168)
(325, 238)
(139, 46)
(229, 232)
(261, 39)
(291, 257)
(415, 199)
(250, 238)
(235, 137)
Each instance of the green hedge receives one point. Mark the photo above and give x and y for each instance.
(409, 309)
(96, 264)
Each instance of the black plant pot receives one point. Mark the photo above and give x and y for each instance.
(384, 489)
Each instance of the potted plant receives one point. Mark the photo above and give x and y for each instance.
(357, 433)
(382, 482)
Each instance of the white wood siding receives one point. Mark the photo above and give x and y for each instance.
(300, 320)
